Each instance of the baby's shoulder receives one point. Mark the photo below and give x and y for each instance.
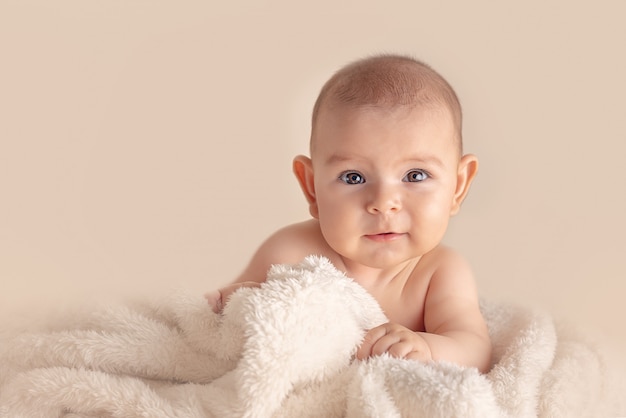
(292, 243)
(288, 245)
(444, 260)
(297, 232)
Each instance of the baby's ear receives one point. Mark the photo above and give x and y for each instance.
(468, 168)
(303, 169)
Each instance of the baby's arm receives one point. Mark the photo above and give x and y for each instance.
(455, 328)
(288, 245)
(253, 275)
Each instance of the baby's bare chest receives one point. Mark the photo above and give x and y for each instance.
(404, 304)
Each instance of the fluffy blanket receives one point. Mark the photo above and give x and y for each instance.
(287, 350)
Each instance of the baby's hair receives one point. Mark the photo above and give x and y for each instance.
(389, 81)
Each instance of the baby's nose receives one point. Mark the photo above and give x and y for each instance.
(384, 199)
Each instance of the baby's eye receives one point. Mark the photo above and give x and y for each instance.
(352, 177)
(415, 176)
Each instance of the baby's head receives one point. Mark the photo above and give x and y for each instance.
(388, 82)
(386, 170)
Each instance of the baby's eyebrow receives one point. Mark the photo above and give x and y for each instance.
(427, 159)
(338, 158)
(417, 160)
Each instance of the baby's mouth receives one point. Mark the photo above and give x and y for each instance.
(384, 236)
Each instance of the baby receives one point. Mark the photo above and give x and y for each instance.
(386, 172)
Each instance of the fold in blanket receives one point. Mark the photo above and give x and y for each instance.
(287, 349)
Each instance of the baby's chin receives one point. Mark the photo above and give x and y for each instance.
(383, 260)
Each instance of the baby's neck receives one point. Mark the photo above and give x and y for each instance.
(376, 278)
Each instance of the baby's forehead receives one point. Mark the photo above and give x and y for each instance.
(338, 113)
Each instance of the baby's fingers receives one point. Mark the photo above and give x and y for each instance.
(400, 349)
(218, 298)
(419, 355)
(395, 340)
(369, 341)
(215, 300)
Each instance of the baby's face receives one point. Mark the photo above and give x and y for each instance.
(385, 181)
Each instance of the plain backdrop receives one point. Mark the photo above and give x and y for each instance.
(147, 145)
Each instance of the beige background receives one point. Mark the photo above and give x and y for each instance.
(147, 145)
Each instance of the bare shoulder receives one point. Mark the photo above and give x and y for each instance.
(445, 262)
(293, 242)
(288, 245)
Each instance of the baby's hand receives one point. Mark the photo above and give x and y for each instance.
(218, 298)
(396, 340)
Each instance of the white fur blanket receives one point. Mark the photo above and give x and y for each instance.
(286, 350)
